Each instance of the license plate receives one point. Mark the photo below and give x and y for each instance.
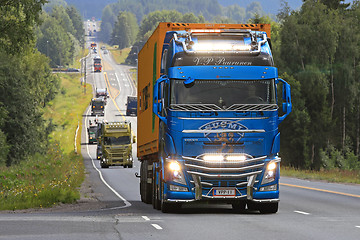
(221, 192)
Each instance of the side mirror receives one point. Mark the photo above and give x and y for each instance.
(286, 96)
(157, 104)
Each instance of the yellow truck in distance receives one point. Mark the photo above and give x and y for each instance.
(116, 144)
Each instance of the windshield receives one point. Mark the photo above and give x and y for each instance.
(98, 104)
(117, 140)
(132, 104)
(223, 93)
(92, 129)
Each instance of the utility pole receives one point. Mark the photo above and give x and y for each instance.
(85, 77)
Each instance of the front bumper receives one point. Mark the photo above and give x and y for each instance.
(246, 184)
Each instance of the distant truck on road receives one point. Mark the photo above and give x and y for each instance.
(116, 144)
(92, 129)
(97, 64)
(97, 107)
(131, 106)
(102, 93)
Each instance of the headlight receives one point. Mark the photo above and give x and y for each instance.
(174, 166)
(270, 173)
(175, 172)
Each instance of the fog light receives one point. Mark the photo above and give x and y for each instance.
(269, 188)
(176, 188)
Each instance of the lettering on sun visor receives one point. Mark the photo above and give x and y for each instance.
(219, 61)
(222, 135)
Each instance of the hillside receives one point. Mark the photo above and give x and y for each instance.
(269, 6)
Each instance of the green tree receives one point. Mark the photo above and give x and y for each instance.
(63, 19)
(27, 85)
(107, 23)
(236, 13)
(78, 24)
(4, 148)
(308, 43)
(55, 42)
(16, 23)
(125, 30)
(253, 9)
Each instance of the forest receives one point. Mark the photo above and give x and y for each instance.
(31, 42)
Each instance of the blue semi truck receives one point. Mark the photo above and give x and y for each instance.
(208, 116)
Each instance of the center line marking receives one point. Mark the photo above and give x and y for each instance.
(304, 213)
(146, 218)
(156, 226)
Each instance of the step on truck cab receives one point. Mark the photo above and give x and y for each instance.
(116, 144)
(208, 116)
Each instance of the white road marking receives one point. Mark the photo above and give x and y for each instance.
(156, 226)
(116, 76)
(357, 226)
(300, 212)
(146, 218)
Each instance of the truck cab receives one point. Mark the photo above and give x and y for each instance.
(131, 106)
(217, 117)
(97, 107)
(92, 129)
(116, 144)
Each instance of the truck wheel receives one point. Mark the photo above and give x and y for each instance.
(130, 165)
(266, 208)
(155, 199)
(103, 165)
(145, 187)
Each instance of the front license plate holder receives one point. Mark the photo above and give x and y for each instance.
(224, 192)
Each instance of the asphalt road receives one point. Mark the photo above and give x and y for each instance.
(308, 210)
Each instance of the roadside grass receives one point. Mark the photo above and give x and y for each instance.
(334, 175)
(119, 55)
(45, 180)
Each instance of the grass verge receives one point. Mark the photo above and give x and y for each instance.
(335, 175)
(119, 55)
(48, 179)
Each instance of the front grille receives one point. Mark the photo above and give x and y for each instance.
(233, 173)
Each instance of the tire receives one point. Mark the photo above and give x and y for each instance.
(157, 204)
(165, 206)
(268, 208)
(145, 187)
